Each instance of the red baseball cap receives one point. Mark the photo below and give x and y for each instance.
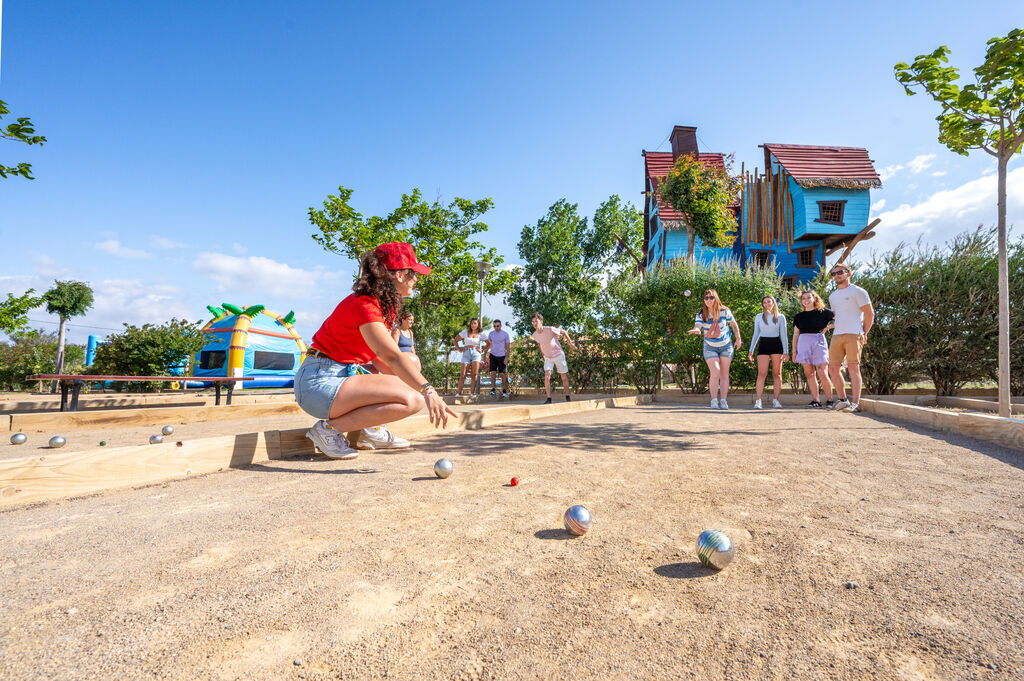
(399, 256)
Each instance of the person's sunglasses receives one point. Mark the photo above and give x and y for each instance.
(709, 297)
(836, 274)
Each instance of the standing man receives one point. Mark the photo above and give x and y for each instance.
(854, 317)
(547, 338)
(499, 341)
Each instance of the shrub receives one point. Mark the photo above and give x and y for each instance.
(34, 352)
(147, 350)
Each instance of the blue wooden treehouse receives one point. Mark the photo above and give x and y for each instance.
(810, 202)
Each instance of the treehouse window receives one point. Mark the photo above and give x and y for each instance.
(831, 212)
(273, 361)
(805, 257)
(762, 259)
(212, 359)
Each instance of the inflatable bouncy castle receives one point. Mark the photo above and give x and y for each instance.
(251, 342)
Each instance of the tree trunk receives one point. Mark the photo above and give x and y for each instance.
(691, 238)
(59, 364)
(1004, 295)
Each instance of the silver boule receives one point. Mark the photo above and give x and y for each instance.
(686, 293)
(443, 468)
(19, 439)
(577, 520)
(167, 430)
(156, 439)
(715, 549)
(57, 442)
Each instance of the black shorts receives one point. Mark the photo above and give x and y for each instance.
(769, 346)
(498, 364)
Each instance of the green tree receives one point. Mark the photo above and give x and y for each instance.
(148, 350)
(66, 299)
(32, 352)
(14, 311)
(444, 236)
(22, 131)
(989, 115)
(566, 262)
(703, 194)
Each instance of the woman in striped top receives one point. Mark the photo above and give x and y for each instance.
(714, 320)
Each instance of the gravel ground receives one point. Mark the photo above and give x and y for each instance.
(864, 550)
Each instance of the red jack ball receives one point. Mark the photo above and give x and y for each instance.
(514, 482)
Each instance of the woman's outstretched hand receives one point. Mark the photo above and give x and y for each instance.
(438, 409)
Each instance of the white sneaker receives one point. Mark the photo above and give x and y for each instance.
(330, 442)
(841, 404)
(714, 403)
(722, 404)
(757, 404)
(379, 437)
(776, 404)
(854, 408)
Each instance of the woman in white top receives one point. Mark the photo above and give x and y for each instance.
(472, 347)
(771, 343)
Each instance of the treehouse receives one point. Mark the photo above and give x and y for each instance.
(810, 202)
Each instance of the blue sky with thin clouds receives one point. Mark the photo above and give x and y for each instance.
(187, 140)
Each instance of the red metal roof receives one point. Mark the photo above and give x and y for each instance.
(658, 164)
(814, 166)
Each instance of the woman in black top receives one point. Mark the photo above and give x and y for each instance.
(809, 345)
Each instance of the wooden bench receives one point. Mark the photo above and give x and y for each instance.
(74, 383)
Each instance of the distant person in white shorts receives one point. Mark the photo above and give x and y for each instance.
(854, 317)
(554, 357)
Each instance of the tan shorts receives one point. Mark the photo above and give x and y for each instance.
(845, 345)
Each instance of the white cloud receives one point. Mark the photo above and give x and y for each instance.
(257, 277)
(877, 205)
(950, 211)
(114, 247)
(163, 242)
(938, 173)
(888, 171)
(920, 163)
(239, 248)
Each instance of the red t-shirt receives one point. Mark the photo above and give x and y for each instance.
(339, 337)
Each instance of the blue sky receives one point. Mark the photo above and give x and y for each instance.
(187, 140)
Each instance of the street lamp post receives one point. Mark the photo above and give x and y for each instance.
(482, 268)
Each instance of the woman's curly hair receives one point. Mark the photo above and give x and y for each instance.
(374, 280)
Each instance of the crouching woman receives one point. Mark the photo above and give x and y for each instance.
(331, 386)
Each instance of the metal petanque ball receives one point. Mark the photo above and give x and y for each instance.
(715, 549)
(167, 430)
(19, 439)
(57, 442)
(156, 439)
(443, 468)
(577, 520)
(686, 293)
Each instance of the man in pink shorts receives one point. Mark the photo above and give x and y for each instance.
(554, 357)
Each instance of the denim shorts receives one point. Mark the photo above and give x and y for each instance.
(317, 382)
(711, 352)
(471, 355)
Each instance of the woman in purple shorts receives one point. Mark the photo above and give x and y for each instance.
(809, 345)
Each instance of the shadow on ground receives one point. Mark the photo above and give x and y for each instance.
(691, 570)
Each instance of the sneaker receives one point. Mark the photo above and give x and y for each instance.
(757, 404)
(829, 403)
(568, 398)
(722, 404)
(714, 403)
(854, 408)
(841, 405)
(504, 394)
(330, 442)
(776, 404)
(380, 437)
(547, 401)
(493, 394)
(815, 404)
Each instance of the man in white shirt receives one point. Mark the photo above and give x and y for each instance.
(498, 341)
(854, 317)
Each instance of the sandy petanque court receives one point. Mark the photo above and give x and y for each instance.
(864, 550)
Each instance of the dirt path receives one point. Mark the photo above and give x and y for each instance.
(375, 569)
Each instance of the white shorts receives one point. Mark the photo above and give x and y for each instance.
(552, 362)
